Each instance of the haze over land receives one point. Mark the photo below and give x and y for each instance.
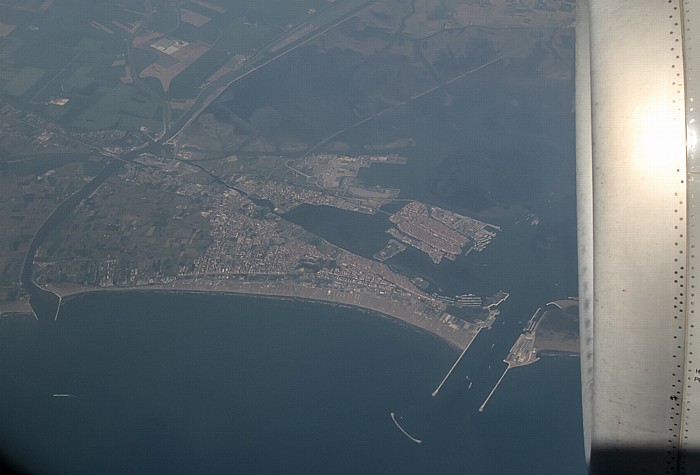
(409, 157)
(321, 97)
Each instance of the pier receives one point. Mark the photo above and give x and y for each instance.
(450, 371)
(58, 307)
(522, 352)
(481, 408)
(487, 323)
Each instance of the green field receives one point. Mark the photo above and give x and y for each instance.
(123, 106)
(19, 80)
(76, 51)
(38, 164)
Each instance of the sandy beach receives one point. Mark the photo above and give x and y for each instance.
(457, 334)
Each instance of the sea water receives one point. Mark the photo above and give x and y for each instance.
(193, 383)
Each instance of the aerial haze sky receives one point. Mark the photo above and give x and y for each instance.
(255, 236)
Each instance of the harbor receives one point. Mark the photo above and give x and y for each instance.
(474, 330)
(522, 353)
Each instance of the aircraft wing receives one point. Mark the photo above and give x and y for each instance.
(638, 179)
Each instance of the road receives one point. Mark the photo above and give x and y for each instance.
(213, 90)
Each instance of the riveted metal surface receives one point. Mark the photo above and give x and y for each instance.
(638, 197)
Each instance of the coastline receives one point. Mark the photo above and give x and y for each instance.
(557, 354)
(456, 335)
(556, 343)
(16, 307)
